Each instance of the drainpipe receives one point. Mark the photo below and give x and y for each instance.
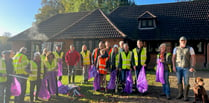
(206, 54)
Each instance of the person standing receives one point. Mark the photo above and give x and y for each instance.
(72, 58)
(108, 49)
(59, 54)
(5, 80)
(141, 57)
(20, 62)
(114, 58)
(121, 46)
(125, 64)
(96, 53)
(43, 55)
(36, 75)
(101, 65)
(165, 58)
(85, 62)
(50, 65)
(182, 55)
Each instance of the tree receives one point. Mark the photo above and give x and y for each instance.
(7, 34)
(53, 7)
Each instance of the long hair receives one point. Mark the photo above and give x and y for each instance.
(48, 54)
(83, 47)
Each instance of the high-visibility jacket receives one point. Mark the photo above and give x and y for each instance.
(43, 57)
(86, 57)
(109, 53)
(57, 56)
(169, 65)
(143, 56)
(126, 60)
(52, 66)
(95, 54)
(116, 59)
(102, 65)
(3, 70)
(20, 62)
(34, 70)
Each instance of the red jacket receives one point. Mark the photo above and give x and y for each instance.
(72, 58)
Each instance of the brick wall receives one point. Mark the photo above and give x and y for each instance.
(113, 41)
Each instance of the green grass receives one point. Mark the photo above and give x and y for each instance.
(90, 94)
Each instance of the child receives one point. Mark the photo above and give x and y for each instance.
(101, 65)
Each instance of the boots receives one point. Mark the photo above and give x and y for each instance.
(186, 90)
(180, 90)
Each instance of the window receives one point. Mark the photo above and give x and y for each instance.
(91, 44)
(57, 43)
(147, 24)
(47, 45)
(147, 20)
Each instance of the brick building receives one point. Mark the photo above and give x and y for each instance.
(152, 23)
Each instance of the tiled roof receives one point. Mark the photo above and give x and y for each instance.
(94, 25)
(173, 20)
(46, 29)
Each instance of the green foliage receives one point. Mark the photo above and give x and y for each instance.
(53, 7)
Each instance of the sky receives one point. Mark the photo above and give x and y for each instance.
(18, 15)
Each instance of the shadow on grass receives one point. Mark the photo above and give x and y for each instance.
(152, 96)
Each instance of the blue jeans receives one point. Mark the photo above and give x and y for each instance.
(166, 86)
(123, 75)
(182, 72)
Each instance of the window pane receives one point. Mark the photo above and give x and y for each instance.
(144, 24)
(199, 47)
(150, 23)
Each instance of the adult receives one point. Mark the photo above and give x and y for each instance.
(140, 56)
(5, 80)
(85, 62)
(72, 58)
(20, 62)
(59, 55)
(108, 49)
(125, 64)
(96, 53)
(165, 58)
(36, 75)
(43, 55)
(182, 55)
(121, 46)
(114, 58)
(50, 65)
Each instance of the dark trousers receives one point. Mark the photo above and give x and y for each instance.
(8, 87)
(71, 74)
(23, 82)
(3, 88)
(123, 75)
(34, 84)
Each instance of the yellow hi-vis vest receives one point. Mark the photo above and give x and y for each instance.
(57, 56)
(126, 60)
(50, 67)
(34, 70)
(169, 65)
(86, 57)
(43, 57)
(116, 60)
(20, 62)
(3, 71)
(143, 56)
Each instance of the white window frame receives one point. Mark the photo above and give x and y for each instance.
(147, 28)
